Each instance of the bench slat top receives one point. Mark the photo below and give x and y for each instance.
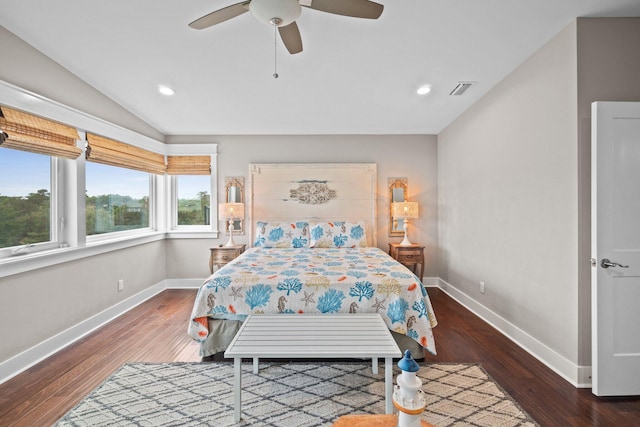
(308, 336)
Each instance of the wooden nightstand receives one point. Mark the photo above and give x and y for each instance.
(371, 421)
(221, 255)
(409, 256)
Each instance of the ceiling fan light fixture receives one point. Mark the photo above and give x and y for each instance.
(278, 13)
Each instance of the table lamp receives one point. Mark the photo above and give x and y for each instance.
(405, 210)
(231, 212)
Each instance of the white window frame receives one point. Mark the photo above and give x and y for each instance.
(192, 231)
(56, 213)
(69, 178)
(119, 235)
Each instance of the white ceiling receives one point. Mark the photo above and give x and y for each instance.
(355, 76)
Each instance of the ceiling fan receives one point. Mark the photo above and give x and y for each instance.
(283, 14)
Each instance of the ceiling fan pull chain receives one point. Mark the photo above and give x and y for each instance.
(275, 53)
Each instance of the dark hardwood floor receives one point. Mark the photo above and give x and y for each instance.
(156, 332)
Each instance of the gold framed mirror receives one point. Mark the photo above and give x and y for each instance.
(234, 193)
(397, 193)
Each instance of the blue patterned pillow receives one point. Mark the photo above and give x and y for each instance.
(338, 234)
(282, 234)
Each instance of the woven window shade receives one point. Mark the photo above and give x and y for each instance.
(109, 152)
(189, 165)
(23, 131)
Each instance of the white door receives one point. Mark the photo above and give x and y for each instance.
(615, 249)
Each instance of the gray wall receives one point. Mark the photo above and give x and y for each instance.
(26, 67)
(50, 300)
(504, 194)
(508, 203)
(39, 304)
(411, 156)
(514, 183)
(608, 70)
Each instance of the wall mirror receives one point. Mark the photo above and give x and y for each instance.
(234, 193)
(397, 193)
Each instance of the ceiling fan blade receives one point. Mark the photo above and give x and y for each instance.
(355, 8)
(290, 36)
(220, 15)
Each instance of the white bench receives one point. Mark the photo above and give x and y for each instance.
(312, 336)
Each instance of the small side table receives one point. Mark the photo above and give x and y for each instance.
(408, 255)
(222, 255)
(371, 421)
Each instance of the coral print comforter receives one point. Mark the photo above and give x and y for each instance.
(316, 280)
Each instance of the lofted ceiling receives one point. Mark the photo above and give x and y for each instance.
(354, 76)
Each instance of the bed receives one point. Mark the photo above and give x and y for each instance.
(312, 264)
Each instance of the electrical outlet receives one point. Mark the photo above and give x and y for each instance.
(482, 287)
(120, 285)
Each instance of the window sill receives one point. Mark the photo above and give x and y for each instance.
(192, 234)
(32, 261)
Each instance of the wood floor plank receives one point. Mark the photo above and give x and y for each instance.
(155, 331)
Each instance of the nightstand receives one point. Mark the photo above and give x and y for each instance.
(222, 255)
(408, 255)
(371, 421)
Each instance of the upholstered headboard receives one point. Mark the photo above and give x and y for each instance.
(313, 191)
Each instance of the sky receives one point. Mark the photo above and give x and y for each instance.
(22, 173)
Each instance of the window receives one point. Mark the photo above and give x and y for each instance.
(25, 200)
(32, 150)
(191, 194)
(64, 187)
(118, 185)
(193, 199)
(117, 199)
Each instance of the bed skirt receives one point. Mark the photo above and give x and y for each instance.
(221, 332)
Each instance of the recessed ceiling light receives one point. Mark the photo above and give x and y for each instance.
(165, 90)
(423, 90)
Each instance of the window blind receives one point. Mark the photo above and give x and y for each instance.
(110, 152)
(26, 132)
(189, 165)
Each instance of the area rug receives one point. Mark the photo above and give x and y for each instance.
(287, 394)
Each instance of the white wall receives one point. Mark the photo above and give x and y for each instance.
(508, 201)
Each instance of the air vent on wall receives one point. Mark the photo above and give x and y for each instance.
(461, 88)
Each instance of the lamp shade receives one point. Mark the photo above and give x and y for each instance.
(231, 210)
(405, 209)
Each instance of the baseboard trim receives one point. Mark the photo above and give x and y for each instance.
(578, 376)
(183, 283)
(431, 282)
(23, 361)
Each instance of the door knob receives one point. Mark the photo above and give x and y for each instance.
(605, 263)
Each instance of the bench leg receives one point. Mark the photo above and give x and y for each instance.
(256, 363)
(374, 365)
(388, 384)
(237, 392)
